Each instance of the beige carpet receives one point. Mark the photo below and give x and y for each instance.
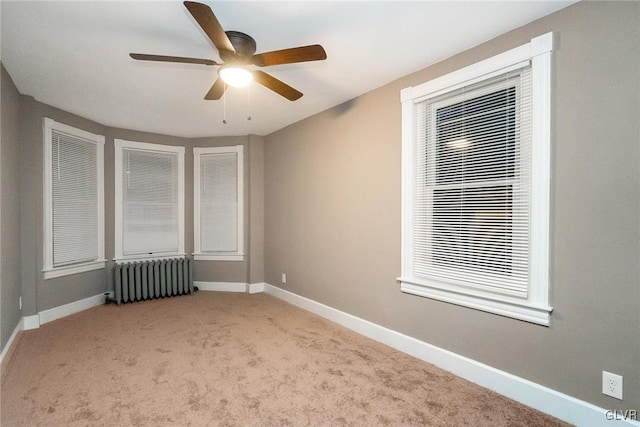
(224, 359)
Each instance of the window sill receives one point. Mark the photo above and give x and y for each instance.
(212, 257)
(521, 310)
(73, 269)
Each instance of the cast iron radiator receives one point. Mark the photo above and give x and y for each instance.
(138, 281)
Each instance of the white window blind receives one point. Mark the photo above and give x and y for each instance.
(473, 185)
(150, 205)
(73, 200)
(218, 203)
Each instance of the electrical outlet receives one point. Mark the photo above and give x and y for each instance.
(612, 384)
(284, 278)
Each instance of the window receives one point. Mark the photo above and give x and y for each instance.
(476, 185)
(73, 200)
(149, 200)
(218, 203)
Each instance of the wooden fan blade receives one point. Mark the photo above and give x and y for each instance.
(287, 56)
(163, 58)
(276, 85)
(209, 23)
(216, 91)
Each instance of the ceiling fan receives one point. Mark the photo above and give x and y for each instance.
(237, 50)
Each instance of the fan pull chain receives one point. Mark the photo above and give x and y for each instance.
(224, 105)
(249, 102)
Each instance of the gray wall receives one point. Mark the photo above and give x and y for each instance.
(256, 209)
(10, 279)
(332, 213)
(39, 294)
(237, 271)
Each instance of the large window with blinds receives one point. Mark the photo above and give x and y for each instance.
(476, 185)
(149, 201)
(218, 203)
(73, 200)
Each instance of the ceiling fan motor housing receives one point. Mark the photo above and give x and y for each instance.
(244, 45)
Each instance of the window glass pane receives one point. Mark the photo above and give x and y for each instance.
(476, 138)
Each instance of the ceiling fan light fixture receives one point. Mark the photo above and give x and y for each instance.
(236, 76)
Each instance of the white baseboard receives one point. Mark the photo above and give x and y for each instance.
(255, 288)
(552, 402)
(221, 286)
(7, 347)
(55, 313)
(31, 322)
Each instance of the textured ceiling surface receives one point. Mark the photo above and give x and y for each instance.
(75, 55)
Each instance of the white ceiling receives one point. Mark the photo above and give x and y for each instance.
(74, 55)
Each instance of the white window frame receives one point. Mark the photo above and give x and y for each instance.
(198, 254)
(120, 145)
(50, 272)
(535, 306)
